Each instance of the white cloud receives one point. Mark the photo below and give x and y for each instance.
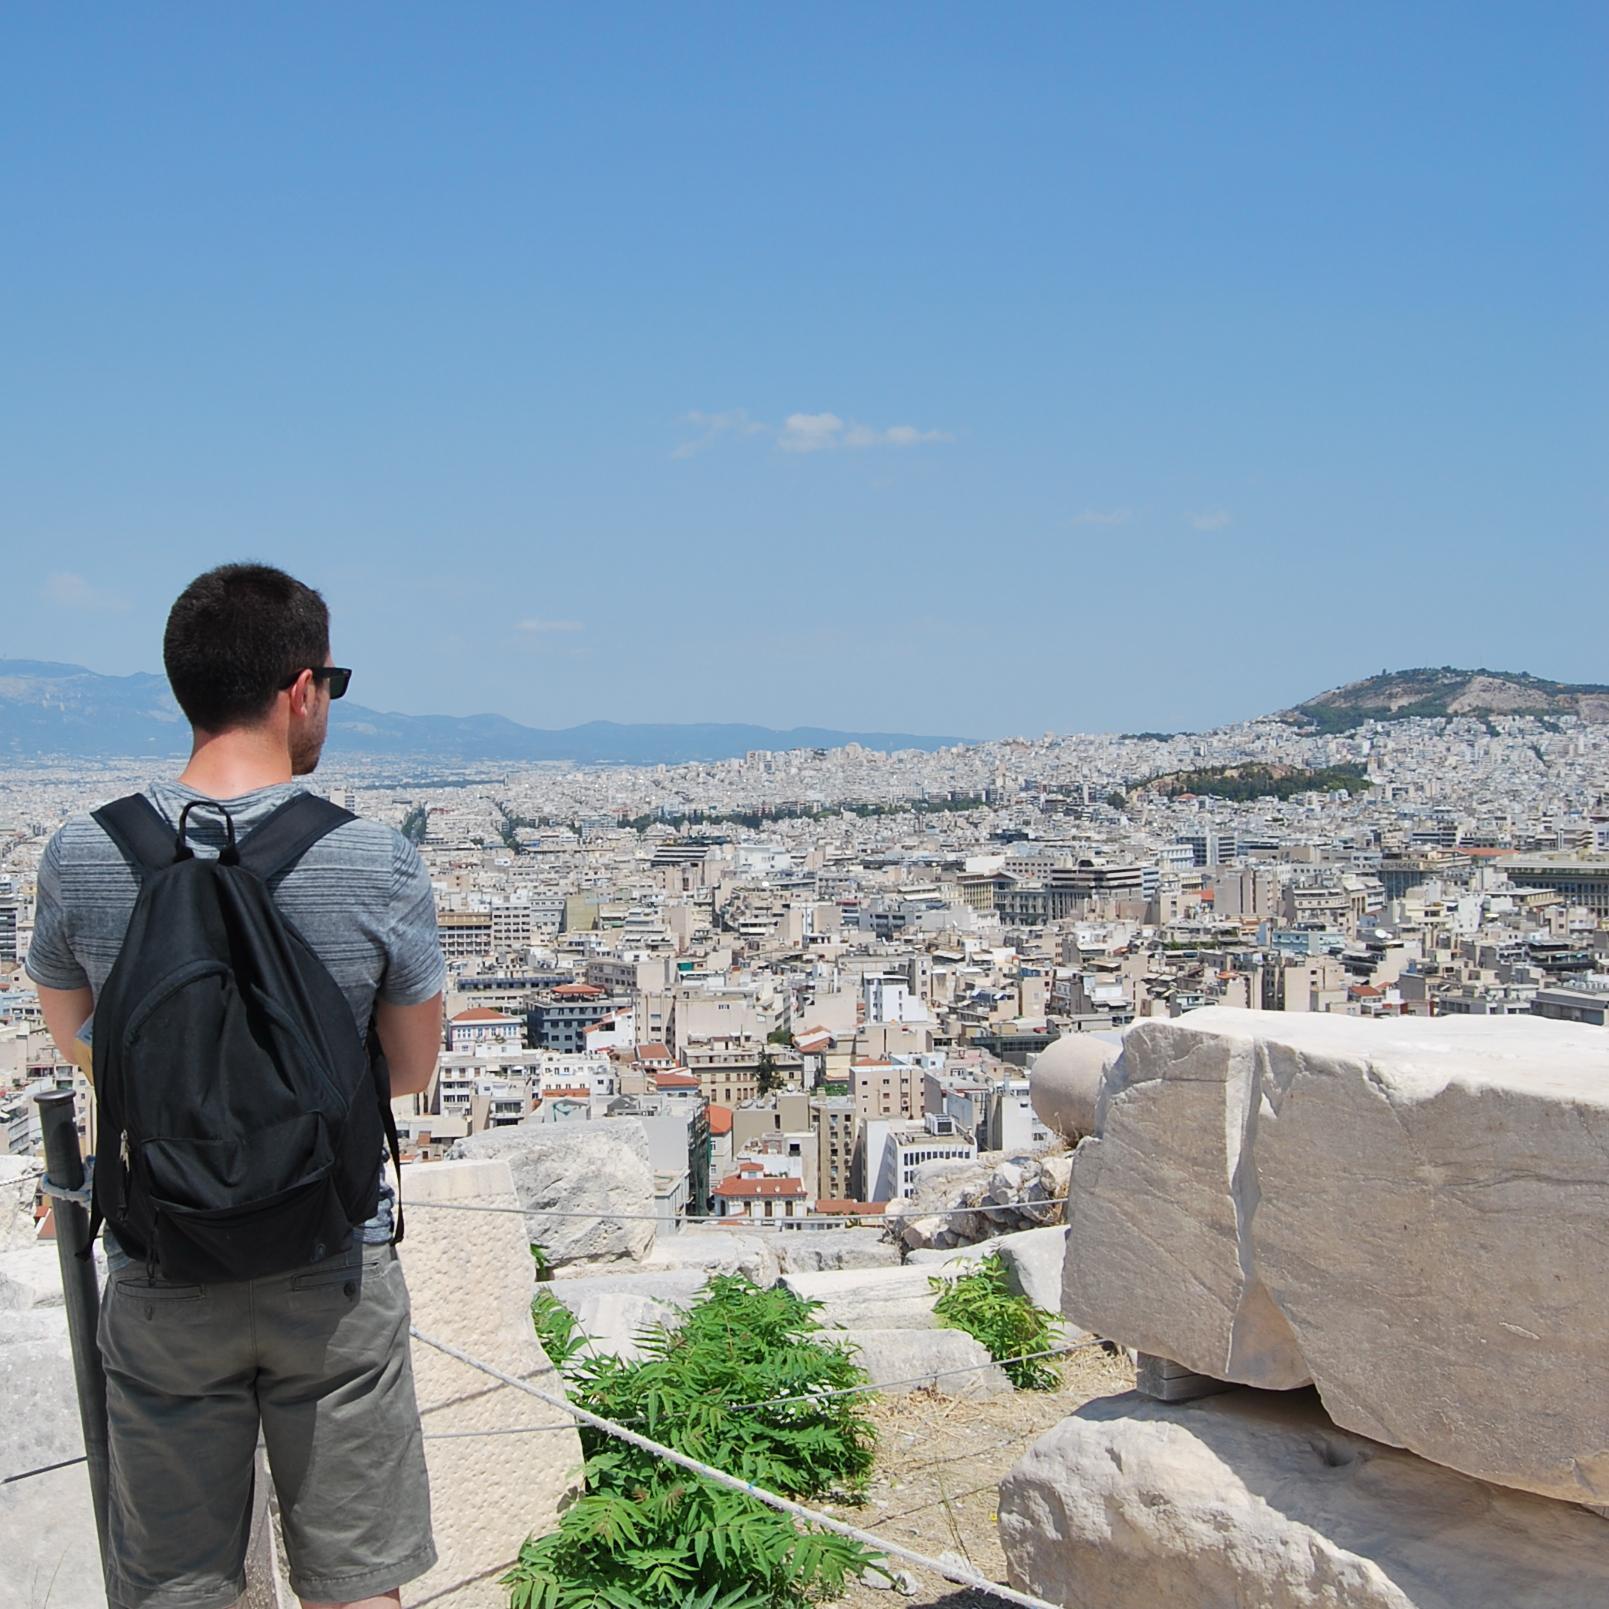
(1211, 519)
(68, 590)
(1104, 516)
(804, 432)
(810, 432)
(548, 628)
(712, 426)
(894, 436)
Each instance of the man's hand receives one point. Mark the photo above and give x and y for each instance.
(410, 1036)
(66, 1011)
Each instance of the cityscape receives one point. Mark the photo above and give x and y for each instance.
(846, 946)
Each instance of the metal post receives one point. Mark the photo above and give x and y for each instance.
(65, 1166)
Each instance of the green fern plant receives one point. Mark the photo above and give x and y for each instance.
(983, 1304)
(556, 1329)
(649, 1535)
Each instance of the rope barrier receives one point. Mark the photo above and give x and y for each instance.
(737, 1221)
(946, 1572)
(502, 1430)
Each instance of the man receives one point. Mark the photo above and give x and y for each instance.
(318, 1357)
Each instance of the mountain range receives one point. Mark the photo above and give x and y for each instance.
(53, 709)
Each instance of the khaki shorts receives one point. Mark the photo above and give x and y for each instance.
(318, 1359)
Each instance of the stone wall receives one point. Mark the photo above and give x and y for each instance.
(471, 1279)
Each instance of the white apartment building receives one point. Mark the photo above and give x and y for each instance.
(890, 1152)
(575, 1073)
(459, 1072)
(480, 1025)
(888, 998)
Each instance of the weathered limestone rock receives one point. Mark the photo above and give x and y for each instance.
(30, 1276)
(1065, 1083)
(902, 1361)
(17, 1189)
(821, 1251)
(471, 1277)
(1410, 1213)
(1033, 1262)
(596, 1169)
(1258, 1499)
(1153, 1254)
(1004, 1194)
(931, 1257)
(717, 1251)
(871, 1298)
(1032, 1259)
(614, 1322)
(671, 1287)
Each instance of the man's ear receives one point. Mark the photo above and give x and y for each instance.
(303, 693)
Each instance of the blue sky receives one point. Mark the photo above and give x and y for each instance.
(972, 370)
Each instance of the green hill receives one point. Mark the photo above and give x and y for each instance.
(1444, 691)
(1253, 780)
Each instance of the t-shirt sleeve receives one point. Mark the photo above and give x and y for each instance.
(415, 969)
(50, 954)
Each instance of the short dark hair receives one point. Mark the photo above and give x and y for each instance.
(235, 636)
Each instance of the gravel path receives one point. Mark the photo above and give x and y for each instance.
(939, 1465)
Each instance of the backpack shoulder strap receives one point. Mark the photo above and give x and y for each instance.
(136, 826)
(382, 1092)
(277, 842)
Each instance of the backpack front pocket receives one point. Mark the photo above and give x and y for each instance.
(210, 1222)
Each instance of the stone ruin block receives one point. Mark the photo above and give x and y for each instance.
(471, 1279)
(1411, 1214)
(1256, 1498)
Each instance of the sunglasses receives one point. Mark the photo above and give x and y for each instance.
(338, 676)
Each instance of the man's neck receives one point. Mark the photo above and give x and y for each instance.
(224, 765)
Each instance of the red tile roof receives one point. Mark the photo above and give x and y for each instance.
(751, 1188)
(483, 1014)
(720, 1119)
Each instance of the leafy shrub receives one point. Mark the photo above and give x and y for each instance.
(1007, 1325)
(648, 1535)
(561, 1337)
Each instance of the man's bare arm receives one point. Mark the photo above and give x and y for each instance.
(410, 1036)
(66, 1011)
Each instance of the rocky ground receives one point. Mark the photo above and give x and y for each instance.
(939, 1465)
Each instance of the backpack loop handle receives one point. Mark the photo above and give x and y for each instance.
(229, 855)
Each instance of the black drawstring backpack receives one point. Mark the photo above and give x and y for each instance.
(241, 1114)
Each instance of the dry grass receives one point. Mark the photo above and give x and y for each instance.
(940, 1461)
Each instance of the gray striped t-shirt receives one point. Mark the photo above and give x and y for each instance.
(360, 897)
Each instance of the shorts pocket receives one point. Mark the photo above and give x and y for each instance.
(161, 1303)
(338, 1282)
